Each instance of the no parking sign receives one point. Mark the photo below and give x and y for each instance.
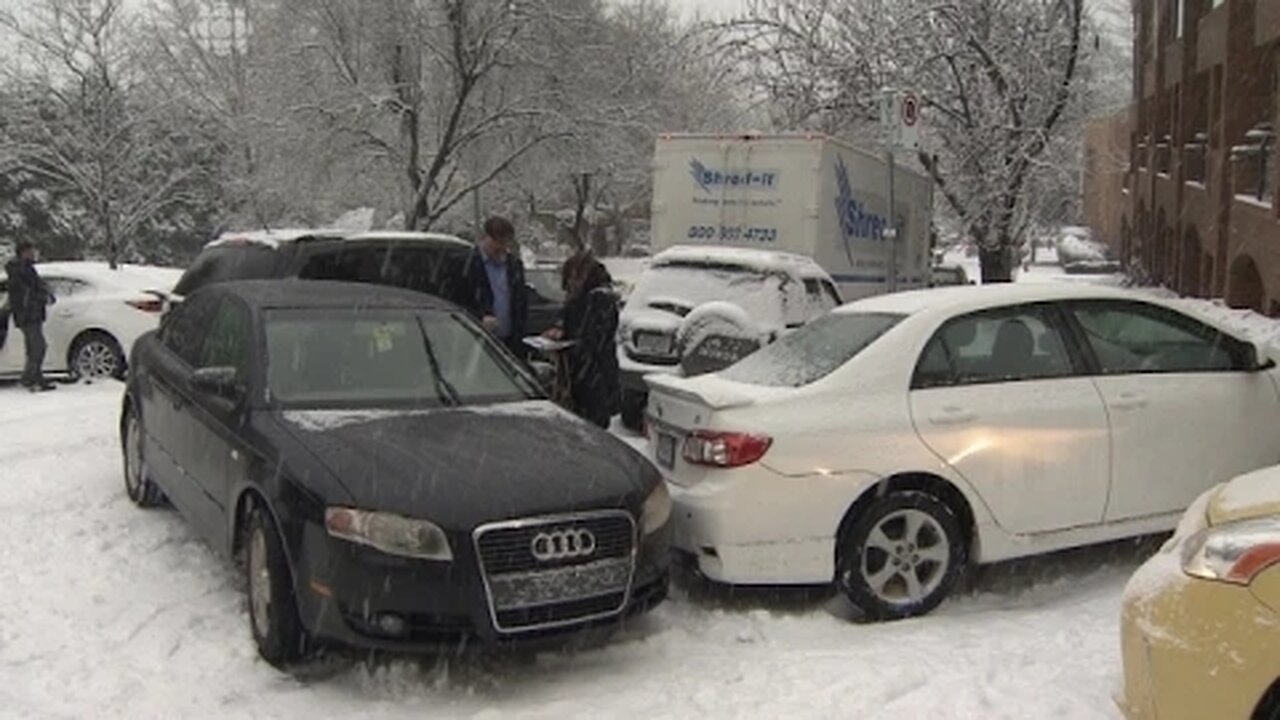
(900, 115)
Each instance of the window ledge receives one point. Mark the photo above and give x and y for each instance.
(1251, 200)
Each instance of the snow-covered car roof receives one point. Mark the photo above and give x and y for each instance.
(966, 298)
(274, 237)
(408, 236)
(129, 277)
(765, 261)
(960, 299)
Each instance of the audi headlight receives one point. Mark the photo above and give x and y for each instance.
(656, 510)
(392, 534)
(1234, 553)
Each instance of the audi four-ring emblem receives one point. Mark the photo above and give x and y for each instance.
(563, 544)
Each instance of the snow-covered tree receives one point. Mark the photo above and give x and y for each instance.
(82, 127)
(999, 79)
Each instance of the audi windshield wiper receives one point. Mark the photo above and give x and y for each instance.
(447, 394)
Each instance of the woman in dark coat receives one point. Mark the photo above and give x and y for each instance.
(590, 319)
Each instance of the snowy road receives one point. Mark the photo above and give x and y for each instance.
(110, 611)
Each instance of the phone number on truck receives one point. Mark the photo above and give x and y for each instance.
(733, 234)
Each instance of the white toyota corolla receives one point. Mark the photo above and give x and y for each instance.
(99, 313)
(891, 443)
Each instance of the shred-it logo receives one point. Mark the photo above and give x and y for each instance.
(706, 178)
(856, 221)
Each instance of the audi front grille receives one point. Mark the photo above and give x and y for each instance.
(559, 570)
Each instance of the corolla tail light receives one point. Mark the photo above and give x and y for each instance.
(725, 449)
(1234, 553)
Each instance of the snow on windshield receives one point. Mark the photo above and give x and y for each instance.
(812, 352)
(681, 288)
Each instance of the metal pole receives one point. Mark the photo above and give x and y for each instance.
(891, 230)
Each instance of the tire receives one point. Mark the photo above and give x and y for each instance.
(633, 405)
(96, 355)
(900, 537)
(273, 607)
(137, 485)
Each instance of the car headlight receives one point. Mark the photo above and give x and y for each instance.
(656, 510)
(392, 534)
(1234, 553)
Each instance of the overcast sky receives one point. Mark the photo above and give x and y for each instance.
(710, 8)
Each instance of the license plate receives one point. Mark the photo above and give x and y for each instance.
(666, 450)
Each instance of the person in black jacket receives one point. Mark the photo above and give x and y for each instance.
(492, 285)
(590, 320)
(28, 296)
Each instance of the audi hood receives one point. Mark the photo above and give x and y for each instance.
(461, 467)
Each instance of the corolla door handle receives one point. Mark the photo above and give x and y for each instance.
(952, 415)
(1129, 401)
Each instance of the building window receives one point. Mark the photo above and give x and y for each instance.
(1164, 160)
(1252, 164)
(1194, 158)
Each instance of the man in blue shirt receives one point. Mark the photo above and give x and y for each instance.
(493, 285)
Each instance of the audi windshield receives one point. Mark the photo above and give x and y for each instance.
(365, 358)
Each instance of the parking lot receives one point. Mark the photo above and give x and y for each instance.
(112, 611)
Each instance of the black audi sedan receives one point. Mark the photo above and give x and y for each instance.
(389, 476)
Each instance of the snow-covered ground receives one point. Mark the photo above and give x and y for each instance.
(111, 611)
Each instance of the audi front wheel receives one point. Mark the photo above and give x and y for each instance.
(273, 608)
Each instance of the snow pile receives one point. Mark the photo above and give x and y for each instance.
(325, 420)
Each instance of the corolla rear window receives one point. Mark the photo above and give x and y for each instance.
(362, 359)
(812, 352)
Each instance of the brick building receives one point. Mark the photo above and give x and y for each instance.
(1193, 159)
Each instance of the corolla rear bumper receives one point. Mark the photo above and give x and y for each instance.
(364, 598)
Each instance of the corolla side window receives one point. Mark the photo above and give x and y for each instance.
(1001, 345)
(1131, 337)
(365, 358)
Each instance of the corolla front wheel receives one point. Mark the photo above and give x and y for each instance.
(141, 490)
(273, 608)
(902, 557)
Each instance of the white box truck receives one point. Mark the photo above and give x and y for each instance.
(807, 194)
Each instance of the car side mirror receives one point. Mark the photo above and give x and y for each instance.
(545, 372)
(220, 381)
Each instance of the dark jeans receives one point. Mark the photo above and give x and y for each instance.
(33, 336)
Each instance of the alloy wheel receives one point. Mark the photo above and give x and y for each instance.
(96, 359)
(133, 457)
(906, 557)
(259, 583)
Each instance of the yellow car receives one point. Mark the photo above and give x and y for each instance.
(1201, 619)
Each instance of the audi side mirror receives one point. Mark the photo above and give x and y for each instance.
(545, 373)
(219, 381)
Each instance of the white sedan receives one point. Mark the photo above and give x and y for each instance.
(98, 315)
(891, 443)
